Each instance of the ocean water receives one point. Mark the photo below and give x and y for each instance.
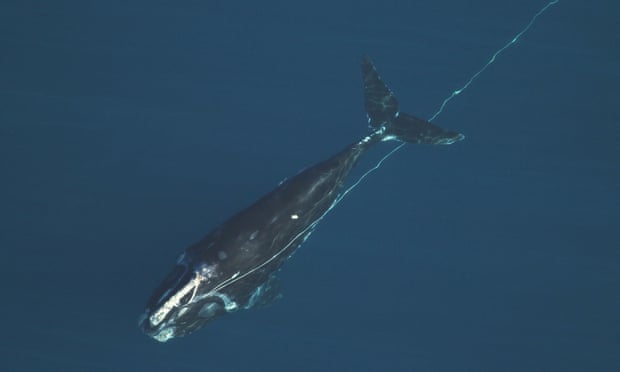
(129, 129)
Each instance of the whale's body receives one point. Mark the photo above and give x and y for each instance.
(234, 266)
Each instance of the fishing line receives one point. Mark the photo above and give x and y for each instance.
(449, 98)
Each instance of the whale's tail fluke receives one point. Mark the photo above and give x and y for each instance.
(383, 114)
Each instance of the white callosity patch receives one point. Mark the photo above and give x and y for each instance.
(209, 271)
(172, 302)
(204, 273)
(230, 305)
(165, 334)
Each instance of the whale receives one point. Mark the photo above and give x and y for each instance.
(235, 266)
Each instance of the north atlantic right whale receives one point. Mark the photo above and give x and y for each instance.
(234, 266)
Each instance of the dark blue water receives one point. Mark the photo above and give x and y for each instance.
(129, 129)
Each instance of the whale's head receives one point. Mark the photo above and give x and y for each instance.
(184, 302)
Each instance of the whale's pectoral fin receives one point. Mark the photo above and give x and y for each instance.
(265, 294)
(383, 114)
